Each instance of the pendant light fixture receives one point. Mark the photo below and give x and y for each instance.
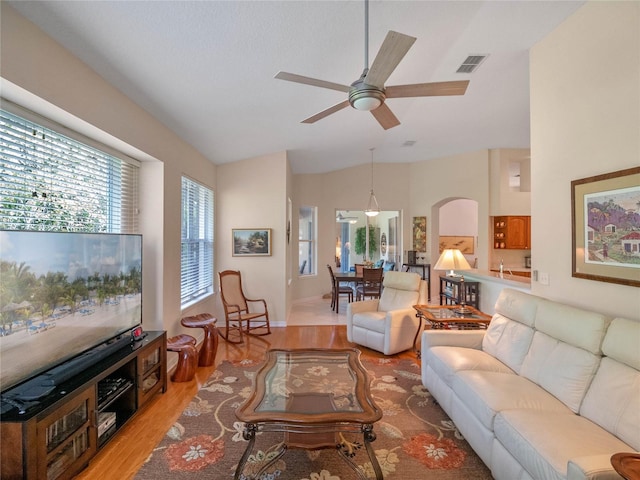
(372, 209)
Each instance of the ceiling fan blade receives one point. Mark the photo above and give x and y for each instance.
(385, 117)
(292, 77)
(327, 112)
(458, 87)
(393, 49)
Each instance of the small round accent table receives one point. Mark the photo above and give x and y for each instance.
(185, 347)
(207, 322)
(627, 465)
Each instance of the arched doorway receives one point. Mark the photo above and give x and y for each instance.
(454, 225)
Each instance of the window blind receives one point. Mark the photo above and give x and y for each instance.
(49, 181)
(196, 278)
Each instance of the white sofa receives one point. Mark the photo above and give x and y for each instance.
(389, 324)
(548, 391)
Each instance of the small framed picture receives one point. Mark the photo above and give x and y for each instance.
(251, 242)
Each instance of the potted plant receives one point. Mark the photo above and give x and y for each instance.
(361, 241)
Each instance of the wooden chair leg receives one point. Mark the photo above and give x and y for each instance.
(227, 337)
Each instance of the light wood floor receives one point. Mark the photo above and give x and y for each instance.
(127, 451)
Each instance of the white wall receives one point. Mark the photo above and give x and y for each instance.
(585, 118)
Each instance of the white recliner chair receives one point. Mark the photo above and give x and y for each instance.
(388, 324)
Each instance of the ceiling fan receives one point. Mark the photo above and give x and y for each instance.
(342, 219)
(369, 92)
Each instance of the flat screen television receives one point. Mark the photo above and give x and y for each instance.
(64, 299)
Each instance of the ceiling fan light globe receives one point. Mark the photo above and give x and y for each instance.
(366, 103)
(365, 97)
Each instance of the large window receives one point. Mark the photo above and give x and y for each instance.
(50, 181)
(307, 240)
(196, 279)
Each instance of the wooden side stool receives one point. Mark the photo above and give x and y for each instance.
(207, 322)
(185, 346)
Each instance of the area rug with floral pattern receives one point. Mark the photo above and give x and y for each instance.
(415, 438)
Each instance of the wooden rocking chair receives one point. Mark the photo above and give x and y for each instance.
(236, 309)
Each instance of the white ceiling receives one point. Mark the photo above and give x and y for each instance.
(205, 69)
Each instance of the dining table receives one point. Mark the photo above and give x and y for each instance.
(348, 277)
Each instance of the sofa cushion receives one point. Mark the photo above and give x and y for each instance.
(543, 442)
(401, 290)
(374, 321)
(507, 340)
(393, 299)
(622, 341)
(488, 393)
(518, 306)
(577, 327)
(402, 281)
(613, 401)
(561, 369)
(447, 361)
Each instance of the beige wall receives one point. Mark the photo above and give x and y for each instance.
(253, 194)
(585, 121)
(436, 182)
(346, 189)
(40, 74)
(503, 201)
(585, 118)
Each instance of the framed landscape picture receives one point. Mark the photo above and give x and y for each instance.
(251, 242)
(606, 227)
(463, 243)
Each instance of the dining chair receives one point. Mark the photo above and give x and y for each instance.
(371, 285)
(236, 308)
(338, 289)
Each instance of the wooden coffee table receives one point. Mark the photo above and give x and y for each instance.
(313, 396)
(445, 317)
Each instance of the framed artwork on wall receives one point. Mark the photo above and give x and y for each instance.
(420, 234)
(251, 242)
(605, 223)
(462, 243)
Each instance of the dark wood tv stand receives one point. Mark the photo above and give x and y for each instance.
(57, 438)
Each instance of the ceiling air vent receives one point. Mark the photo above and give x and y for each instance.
(471, 63)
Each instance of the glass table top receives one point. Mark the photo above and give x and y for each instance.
(310, 386)
(308, 382)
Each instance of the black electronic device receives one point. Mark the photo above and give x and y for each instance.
(101, 272)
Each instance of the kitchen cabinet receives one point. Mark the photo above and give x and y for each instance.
(512, 232)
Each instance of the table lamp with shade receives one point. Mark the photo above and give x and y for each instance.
(452, 259)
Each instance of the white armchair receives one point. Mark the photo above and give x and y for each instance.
(388, 324)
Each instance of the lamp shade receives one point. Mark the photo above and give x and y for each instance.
(452, 259)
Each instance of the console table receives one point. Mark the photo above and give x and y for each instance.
(57, 437)
(454, 289)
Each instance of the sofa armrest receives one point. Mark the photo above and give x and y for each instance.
(397, 317)
(359, 307)
(362, 306)
(592, 467)
(453, 338)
